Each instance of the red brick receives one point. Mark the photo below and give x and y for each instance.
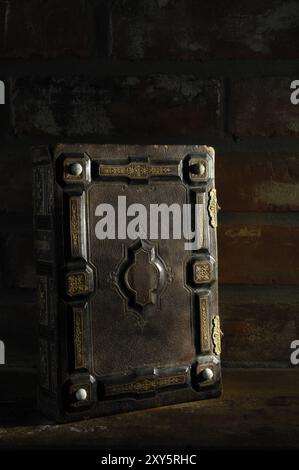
(156, 107)
(48, 29)
(193, 30)
(258, 252)
(257, 182)
(259, 324)
(262, 107)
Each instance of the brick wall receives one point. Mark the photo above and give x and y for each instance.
(163, 71)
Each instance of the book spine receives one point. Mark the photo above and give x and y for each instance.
(43, 203)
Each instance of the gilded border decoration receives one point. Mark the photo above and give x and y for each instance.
(145, 385)
(213, 207)
(217, 333)
(75, 226)
(202, 272)
(205, 342)
(137, 170)
(77, 284)
(78, 338)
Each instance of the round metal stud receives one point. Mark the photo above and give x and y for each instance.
(198, 169)
(207, 374)
(201, 169)
(75, 169)
(81, 394)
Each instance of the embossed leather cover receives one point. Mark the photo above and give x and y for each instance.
(124, 323)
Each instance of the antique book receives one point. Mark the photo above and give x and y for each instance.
(127, 277)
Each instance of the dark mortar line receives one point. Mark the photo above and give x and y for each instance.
(221, 144)
(99, 67)
(285, 219)
(265, 294)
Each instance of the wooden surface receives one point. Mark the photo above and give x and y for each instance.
(259, 409)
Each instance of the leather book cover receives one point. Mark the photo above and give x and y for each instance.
(126, 254)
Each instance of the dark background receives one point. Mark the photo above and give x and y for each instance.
(161, 71)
